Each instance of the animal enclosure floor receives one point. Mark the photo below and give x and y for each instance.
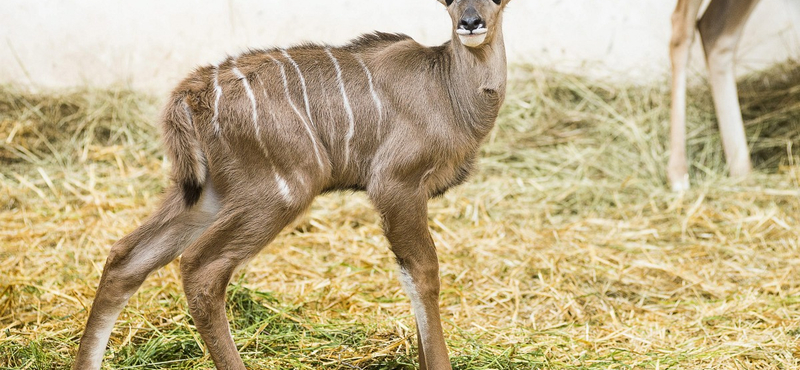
(565, 250)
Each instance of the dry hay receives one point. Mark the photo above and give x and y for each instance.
(565, 250)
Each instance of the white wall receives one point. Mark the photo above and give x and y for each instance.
(150, 44)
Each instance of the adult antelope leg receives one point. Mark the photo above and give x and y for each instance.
(720, 30)
(405, 215)
(154, 244)
(683, 25)
(207, 266)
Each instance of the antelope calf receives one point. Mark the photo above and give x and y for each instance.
(720, 29)
(254, 139)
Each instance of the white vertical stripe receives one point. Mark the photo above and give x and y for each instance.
(258, 131)
(352, 128)
(374, 93)
(302, 83)
(218, 93)
(283, 187)
(252, 98)
(297, 111)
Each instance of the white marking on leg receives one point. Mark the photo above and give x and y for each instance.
(217, 97)
(352, 128)
(302, 84)
(374, 93)
(103, 327)
(416, 302)
(297, 111)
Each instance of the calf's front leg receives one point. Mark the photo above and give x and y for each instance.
(405, 216)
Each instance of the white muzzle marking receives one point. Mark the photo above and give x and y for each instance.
(473, 38)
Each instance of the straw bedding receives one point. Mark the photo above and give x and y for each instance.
(564, 250)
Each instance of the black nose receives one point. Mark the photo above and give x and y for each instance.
(471, 20)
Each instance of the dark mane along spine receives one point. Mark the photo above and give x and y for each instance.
(375, 39)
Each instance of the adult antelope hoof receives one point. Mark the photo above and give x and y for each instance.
(681, 184)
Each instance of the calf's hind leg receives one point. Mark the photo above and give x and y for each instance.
(208, 265)
(154, 244)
